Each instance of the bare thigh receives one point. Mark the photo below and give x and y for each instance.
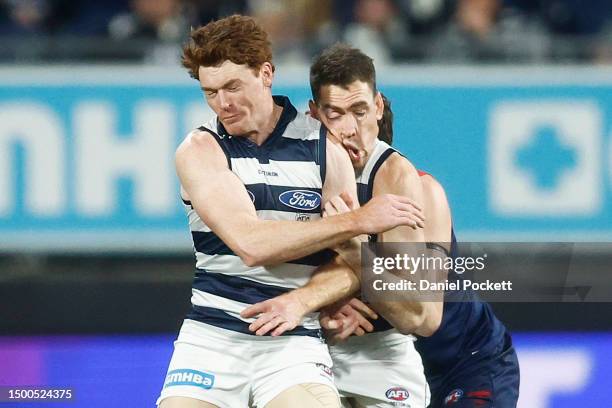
(306, 396)
(184, 402)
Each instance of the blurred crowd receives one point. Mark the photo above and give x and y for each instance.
(435, 31)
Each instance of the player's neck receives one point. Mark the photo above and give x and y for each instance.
(265, 128)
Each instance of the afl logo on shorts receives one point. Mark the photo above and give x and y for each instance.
(301, 199)
(397, 394)
(327, 371)
(454, 396)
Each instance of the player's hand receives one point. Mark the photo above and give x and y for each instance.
(338, 205)
(344, 319)
(278, 314)
(387, 211)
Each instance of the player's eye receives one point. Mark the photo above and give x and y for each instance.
(332, 115)
(211, 94)
(360, 113)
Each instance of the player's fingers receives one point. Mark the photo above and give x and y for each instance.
(328, 323)
(359, 331)
(339, 204)
(403, 218)
(365, 323)
(346, 331)
(407, 200)
(348, 200)
(361, 320)
(286, 326)
(333, 324)
(410, 209)
(330, 209)
(269, 326)
(335, 321)
(363, 308)
(260, 321)
(254, 310)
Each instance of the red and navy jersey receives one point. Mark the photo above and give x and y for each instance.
(469, 326)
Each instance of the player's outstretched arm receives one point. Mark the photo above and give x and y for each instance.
(330, 283)
(333, 282)
(221, 200)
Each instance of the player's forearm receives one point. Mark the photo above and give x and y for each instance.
(264, 242)
(331, 283)
(350, 252)
(415, 312)
(409, 317)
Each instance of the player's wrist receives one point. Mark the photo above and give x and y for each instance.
(306, 299)
(355, 224)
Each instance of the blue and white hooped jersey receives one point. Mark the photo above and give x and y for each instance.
(365, 180)
(365, 186)
(284, 179)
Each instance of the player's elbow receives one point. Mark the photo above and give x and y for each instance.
(424, 324)
(251, 257)
(409, 324)
(250, 254)
(251, 261)
(430, 325)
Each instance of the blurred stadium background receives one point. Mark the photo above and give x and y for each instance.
(507, 102)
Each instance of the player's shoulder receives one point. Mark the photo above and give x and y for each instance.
(432, 188)
(397, 166)
(198, 144)
(197, 139)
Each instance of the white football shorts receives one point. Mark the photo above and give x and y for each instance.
(237, 370)
(381, 370)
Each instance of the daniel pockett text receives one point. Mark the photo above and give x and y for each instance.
(497, 271)
(428, 268)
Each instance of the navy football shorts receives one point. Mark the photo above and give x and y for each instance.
(491, 382)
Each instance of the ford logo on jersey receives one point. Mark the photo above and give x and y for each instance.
(301, 199)
(190, 377)
(397, 394)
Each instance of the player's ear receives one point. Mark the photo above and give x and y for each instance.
(267, 74)
(313, 109)
(380, 106)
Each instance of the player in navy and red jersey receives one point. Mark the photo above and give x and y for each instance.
(469, 361)
(467, 354)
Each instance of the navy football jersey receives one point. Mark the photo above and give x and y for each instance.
(468, 325)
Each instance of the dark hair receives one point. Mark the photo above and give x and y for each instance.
(385, 124)
(236, 38)
(341, 65)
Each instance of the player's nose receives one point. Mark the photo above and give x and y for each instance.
(224, 100)
(348, 130)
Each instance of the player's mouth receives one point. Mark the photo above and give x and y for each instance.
(229, 119)
(353, 152)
